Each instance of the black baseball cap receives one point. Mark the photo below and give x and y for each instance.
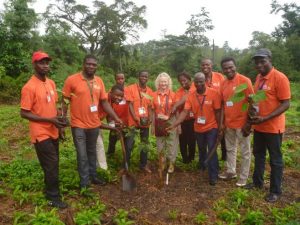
(263, 52)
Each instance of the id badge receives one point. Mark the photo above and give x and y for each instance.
(123, 102)
(142, 111)
(191, 114)
(48, 98)
(94, 108)
(201, 120)
(229, 103)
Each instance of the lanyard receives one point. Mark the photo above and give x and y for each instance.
(201, 104)
(261, 84)
(166, 105)
(47, 93)
(141, 97)
(90, 89)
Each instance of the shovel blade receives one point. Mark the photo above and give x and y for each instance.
(128, 183)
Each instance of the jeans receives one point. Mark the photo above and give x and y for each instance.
(48, 155)
(206, 141)
(144, 137)
(85, 143)
(272, 142)
(187, 141)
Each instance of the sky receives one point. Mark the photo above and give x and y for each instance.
(233, 20)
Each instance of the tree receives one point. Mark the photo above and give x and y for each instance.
(104, 28)
(197, 26)
(291, 19)
(16, 31)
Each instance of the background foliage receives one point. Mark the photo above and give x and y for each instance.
(73, 30)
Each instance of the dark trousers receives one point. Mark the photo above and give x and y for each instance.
(272, 142)
(85, 144)
(223, 149)
(128, 141)
(206, 141)
(47, 153)
(187, 141)
(144, 138)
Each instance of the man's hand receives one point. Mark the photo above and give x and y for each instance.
(168, 129)
(119, 122)
(173, 110)
(257, 119)
(62, 134)
(220, 133)
(59, 122)
(246, 129)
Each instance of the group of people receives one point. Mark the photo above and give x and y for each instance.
(201, 111)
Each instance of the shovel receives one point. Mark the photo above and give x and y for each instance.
(128, 182)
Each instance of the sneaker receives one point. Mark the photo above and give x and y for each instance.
(241, 182)
(227, 176)
(171, 168)
(272, 197)
(58, 204)
(98, 181)
(252, 186)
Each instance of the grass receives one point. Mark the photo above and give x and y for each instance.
(21, 181)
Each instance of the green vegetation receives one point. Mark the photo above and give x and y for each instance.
(21, 186)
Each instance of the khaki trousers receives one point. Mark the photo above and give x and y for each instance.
(168, 145)
(233, 138)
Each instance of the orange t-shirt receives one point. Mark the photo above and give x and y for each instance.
(140, 103)
(179, 94)
(234, 115)
(277, 87)
(216, 81)
(163, 102)
(203, 106)
(40, 98)
(121, 109)
(84, 106)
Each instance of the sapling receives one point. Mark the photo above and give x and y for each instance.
(251, 105)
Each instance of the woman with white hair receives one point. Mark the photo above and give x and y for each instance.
(163, 101)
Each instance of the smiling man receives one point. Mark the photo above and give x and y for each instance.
(235, 120)
(269, 124)
(85, 92)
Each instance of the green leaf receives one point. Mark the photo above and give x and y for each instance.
(244, 107)
(259, 96)
(146, 96)
(240, 88)
(237, 97)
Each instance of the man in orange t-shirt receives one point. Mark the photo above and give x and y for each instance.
(269, 124)
(140, 109)
(205, 103)
(235, 120)
(38, 105)
(213, 80)
(85, 92)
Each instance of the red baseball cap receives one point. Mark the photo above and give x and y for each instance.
(39, 55)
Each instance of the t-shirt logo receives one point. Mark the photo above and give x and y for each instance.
(97, 87)
(208, 102)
